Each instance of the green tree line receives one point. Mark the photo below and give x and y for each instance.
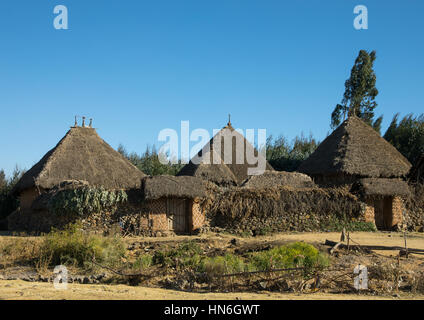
(8, 203)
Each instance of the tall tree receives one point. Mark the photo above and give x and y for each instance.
(407, 135)
(360, 93)
(8, 202)
(3, 180)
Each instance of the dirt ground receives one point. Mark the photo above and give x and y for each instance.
(18, 289)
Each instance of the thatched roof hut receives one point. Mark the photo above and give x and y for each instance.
(277, 179)
(226, 167)
(81, 155)
(381, 187)
(219, 174)
(166, 186)
(355, 148)
(417, 171)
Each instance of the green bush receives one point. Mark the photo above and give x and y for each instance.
(143, 262)
(220, 265)
(85, 200)
(72, 246)
(187, 254)
(294, 255)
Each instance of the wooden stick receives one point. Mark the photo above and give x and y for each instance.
(374, 247)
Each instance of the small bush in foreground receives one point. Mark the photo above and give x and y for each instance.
(143, 262)
(220, 265)
(187, 254)
(72, 246)
(296, 255)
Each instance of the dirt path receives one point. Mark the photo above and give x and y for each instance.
(17, 289)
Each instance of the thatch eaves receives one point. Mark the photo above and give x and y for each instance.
(218, 173)
(279, 178)
(381, 187)
(166, 186)
(355, 148)
(82, 155)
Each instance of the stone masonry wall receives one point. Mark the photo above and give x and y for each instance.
(283, 209)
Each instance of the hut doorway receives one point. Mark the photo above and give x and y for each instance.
(177, 213)
(383, 213)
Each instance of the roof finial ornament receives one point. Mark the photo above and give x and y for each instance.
(229, 119)
(90, 125)
(83, 122)
(76, 123)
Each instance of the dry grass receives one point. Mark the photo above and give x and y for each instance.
(17, 289)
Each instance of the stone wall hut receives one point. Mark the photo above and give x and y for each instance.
(81, 155)
(356, 157)
(173, 203)
(228, 166)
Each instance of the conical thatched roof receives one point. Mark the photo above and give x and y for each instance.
(279, 178)
(355, 148)
(214, 166)
(82, 155)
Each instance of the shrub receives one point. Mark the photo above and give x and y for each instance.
(85, 200)
(143, 262)
(72, 246)
(220, 265)
(187, 254)
(294, 255)
(18, 250)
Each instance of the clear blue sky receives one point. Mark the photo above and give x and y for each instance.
(138, 67)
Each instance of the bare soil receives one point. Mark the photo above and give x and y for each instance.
(17, 289)
(218, 244)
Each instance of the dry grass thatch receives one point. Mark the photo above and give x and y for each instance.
(279, 178)
(222, 170)
(381, 187)
(82, 155)
(355, 148)
(281, 208)
(170, 186)
(216, 173)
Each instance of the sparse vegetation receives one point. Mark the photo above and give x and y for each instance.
(74, 247)
(296, 255)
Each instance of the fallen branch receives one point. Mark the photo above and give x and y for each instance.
(131, 275)
(372, 247)
(245, 273)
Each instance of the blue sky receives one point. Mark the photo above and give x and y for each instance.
(138, 67)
